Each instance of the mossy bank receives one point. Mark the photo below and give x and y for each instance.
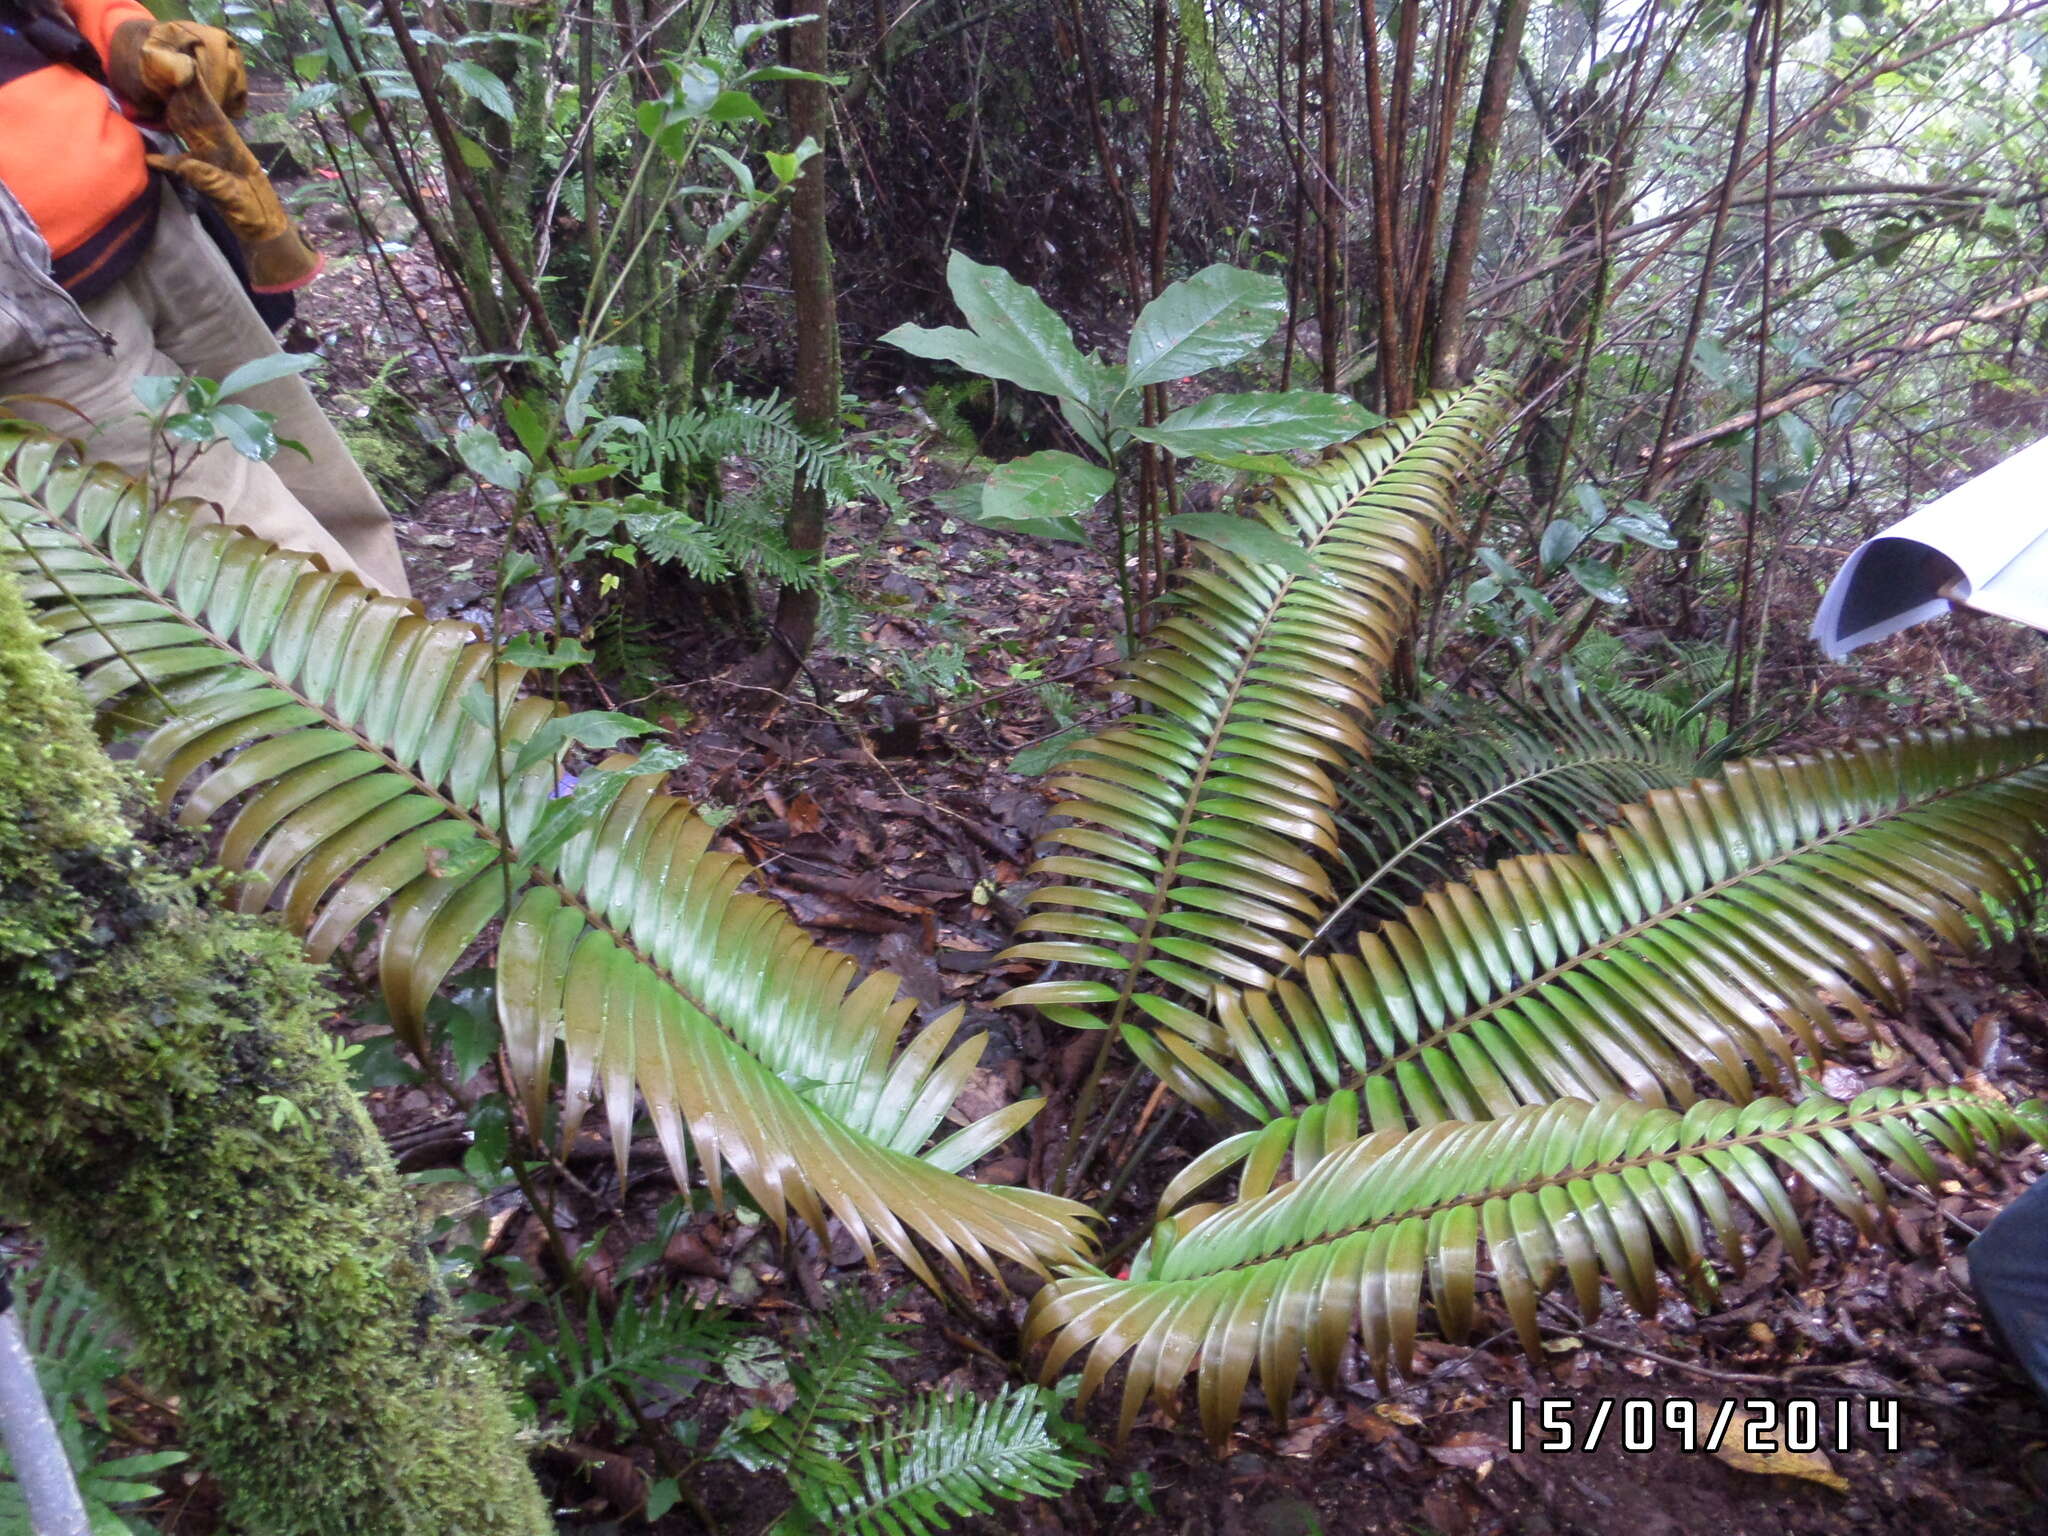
(179, 1132)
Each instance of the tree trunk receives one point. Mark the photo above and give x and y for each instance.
(1447, 324)
(178, 1131)
(795, 623)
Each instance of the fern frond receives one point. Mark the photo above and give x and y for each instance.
(370, 761)
(664, 1342)
(943, 1459)
(1205, 830)
(943, 399)
(1532, 776)
(842, 1386)
(1585, 1192)
(1700, 934)
(729, 425)
(73, 1341)
(671, 536)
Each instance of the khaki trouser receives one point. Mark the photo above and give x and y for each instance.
(182, 311)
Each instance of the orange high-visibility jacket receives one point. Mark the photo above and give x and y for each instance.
(70, 157)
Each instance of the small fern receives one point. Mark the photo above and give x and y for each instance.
(943, 402)
(71, 1338)
(842, 1383)
(942, 1458)
(665, 1344)
(728, 425)
(77, 1356)
(735, 531)
(1672, 690)
(623, 647)
(858, 1472)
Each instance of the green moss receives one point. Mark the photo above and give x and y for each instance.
(272, 1279)
(402, 471)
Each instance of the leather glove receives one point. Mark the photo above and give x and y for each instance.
(149, 61)
(218, 165)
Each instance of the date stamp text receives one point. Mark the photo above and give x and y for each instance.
(1759, 1426)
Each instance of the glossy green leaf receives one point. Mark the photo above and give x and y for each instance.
(1258, 423)
(1245, 537)
(1218, 316)
(1042, 486)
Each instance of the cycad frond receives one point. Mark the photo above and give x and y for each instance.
(1205, 830)
(1582, 1191)
(1697, 935)
(1532, 776)
(376, 760)
(944, 1458)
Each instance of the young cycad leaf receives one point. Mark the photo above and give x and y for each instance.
(1570, 1191)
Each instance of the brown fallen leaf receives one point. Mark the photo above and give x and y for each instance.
(983, 1093)
(1004, 1170)
(1305, 1437)
(1375, 1429)
(1812, 1466)
(804, 815)
(1468, 1448)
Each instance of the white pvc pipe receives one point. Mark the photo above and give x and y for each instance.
(41, 1469)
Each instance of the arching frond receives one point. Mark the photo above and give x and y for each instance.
(1571, 1191)
(372, 764)
(1452, 773)
(1697, 937)
(1205, 831)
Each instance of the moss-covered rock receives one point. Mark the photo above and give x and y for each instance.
(176, 1127)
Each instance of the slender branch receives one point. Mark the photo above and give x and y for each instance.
(458, 174)
(1674, 401)
(1854, 373)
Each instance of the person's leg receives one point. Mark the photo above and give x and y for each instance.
(201, 318)
(2009, 1271)
(92, 398)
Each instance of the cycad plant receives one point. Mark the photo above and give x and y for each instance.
(1545, 992)
(1476, 989)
